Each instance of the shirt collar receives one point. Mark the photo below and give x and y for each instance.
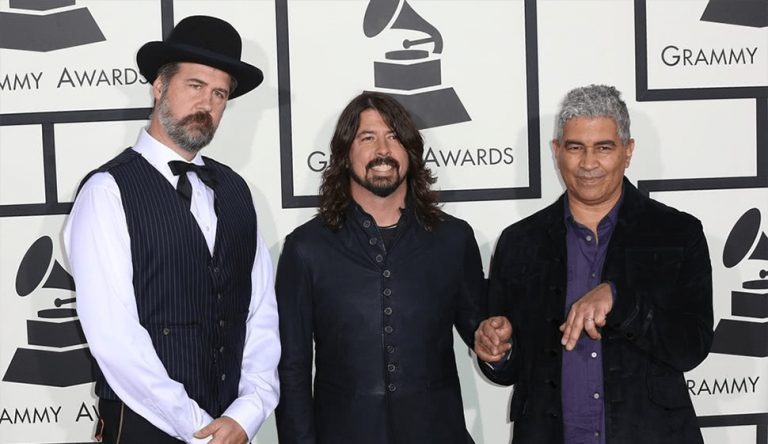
(158, 155)
(608, 221)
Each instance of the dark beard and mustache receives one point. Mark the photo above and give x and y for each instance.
(380, 186)
(192, 132)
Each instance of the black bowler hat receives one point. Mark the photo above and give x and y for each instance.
(206, 40)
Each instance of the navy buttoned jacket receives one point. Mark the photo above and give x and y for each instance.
(659, 327)
(379, 324)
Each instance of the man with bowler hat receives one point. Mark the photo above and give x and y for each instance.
(174, 283)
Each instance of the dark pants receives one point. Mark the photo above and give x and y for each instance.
(121, 425)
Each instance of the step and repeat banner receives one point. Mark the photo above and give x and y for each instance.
(483, 79)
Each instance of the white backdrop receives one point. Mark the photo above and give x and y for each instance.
(694, 75)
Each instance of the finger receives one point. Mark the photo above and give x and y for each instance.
(490, 331)
(600, 318)
(487, 355)
(505, 331)
(204, 432)
(573, 333)
(567, 325)
(591, 328)
(486, 343)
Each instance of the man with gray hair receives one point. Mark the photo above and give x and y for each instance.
(600, 301)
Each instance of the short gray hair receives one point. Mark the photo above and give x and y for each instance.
(594, 101)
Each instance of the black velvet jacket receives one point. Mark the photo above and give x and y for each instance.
(381, 321)
(660, 325)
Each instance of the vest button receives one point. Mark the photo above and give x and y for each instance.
(386, 273)
(391, 368)
(390, 349)
(223, 377)
(166, 331)
(387, 292)
(388, 311)
(391, 387)
(222, 323)
(388, 329)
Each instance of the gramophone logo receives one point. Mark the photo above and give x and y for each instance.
(413, 75)
(746, 336)
(753, 13)
(47, 25)
(57, 354)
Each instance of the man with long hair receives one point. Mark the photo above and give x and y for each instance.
(375, 283)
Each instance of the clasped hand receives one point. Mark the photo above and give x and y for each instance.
(588, 314)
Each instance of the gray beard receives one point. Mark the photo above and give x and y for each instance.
(191, 140)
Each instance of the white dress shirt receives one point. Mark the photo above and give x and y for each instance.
(98, 245)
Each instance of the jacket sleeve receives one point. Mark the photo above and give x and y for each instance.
(472, 291)
(501, 303)
(293, 285)
(671, 320)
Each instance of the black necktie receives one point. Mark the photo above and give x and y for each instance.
(180, 168)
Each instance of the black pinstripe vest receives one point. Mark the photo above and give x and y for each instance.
(193, 305)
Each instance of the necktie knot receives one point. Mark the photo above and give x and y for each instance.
(180, 168)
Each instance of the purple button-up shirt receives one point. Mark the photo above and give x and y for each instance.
(582, 375)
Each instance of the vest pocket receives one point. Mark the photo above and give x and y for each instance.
(182, 350)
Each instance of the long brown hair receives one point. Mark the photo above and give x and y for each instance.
(335, 192)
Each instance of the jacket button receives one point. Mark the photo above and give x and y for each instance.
(222, 323)
(386, 273)
(221, 349)
(366, 223)
(220, 296)
(372, 241)
(166, 331)
(391, 387)
(388, 311)
(388, 329)
(223, 377)
(379, 258)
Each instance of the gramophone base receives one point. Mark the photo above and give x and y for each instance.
(750, 13)
(433, 108)
(48, 32)
(57, 369)
(742, 338)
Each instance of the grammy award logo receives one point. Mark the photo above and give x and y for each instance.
(36, 25)
(746, 337)
(753, 13)
(413, 76)
(58, 354)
